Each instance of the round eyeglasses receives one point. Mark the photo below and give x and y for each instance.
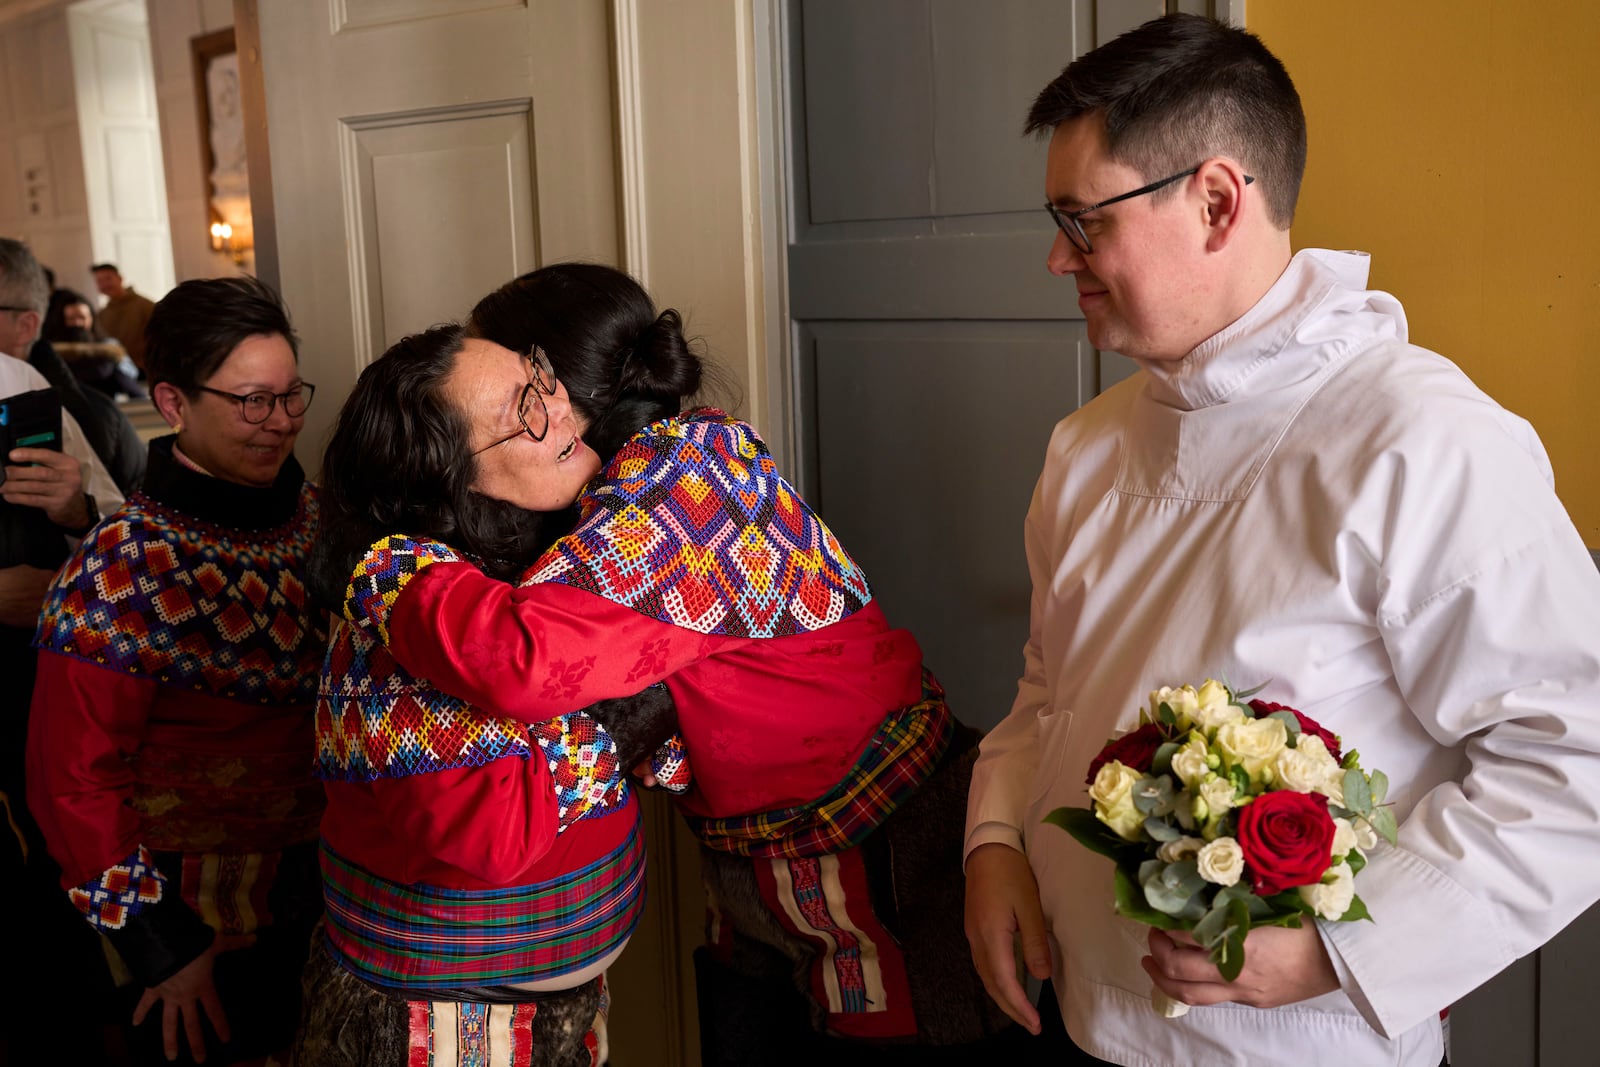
(256, 408)
(531, 410)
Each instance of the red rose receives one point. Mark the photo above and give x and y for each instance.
(1308, 725)
(1136, 750)
(1286, 838)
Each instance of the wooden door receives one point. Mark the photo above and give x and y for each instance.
(121, 137)
(420, 153)
(933, 351)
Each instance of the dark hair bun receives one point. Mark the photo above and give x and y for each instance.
(662, 364)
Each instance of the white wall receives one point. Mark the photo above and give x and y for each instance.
(42, 196)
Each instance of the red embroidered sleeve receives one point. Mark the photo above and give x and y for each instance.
(532, 652)
(84, 721)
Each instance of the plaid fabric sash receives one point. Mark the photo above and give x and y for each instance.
(901, 756)
(419, 937)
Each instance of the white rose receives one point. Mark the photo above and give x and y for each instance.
(1183, 703)
(1218, 796)
(1184, 848)
(1213, 708)
(1322, 771)
(1189, 762)
(1222, 861)
(1331, 899)
(1253, 744)
(1344, 838)
(1302, 770)
(1366, 836)
(1112, 794)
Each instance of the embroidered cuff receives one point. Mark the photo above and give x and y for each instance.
(670, 765)
(382, 574)
(144, 917)
(584, 770)
(121, 892)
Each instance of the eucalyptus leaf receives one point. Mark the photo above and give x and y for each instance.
(1290, 723)
(1210, 930)
(1242, 697)
(1162, 763)
(1356, 861)
(1357, 794)
(1184, 877)
(1151, 869)
(1131, 904)
(1154, 796)
(1382, 820)
(1168, 716)
(1172, 891)
(1380, 786)
(1231, 950)
(1161, 830)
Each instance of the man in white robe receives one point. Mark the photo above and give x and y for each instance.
(1291, 494)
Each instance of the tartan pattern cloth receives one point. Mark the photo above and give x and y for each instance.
(122, 890)
(375, 719)
(901, 755)
(691, 524)
(382, 574)
(155, 593)
(421, 937)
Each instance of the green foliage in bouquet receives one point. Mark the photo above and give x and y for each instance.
(1222, 815)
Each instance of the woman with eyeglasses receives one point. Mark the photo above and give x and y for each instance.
(828, 774)
(169, 752)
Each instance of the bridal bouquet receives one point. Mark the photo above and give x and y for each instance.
(1222, 814)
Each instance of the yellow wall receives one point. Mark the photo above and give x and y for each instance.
(1459, 143)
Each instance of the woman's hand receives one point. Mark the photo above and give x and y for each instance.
(188, 993)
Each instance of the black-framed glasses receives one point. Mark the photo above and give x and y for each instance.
(256, 408)
(1068, 220)
(531, 410)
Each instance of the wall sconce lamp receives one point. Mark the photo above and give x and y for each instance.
(222, 241)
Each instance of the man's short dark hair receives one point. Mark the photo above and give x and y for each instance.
(195, 327)
(112, 267)
(1181, 89)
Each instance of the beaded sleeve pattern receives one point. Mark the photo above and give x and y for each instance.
(383, 573)
(375, 719)
(691, 524)
(199, 607)
(124, 890)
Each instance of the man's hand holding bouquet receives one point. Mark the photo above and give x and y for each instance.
(1222, 815)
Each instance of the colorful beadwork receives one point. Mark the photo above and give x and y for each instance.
(691, 524)
(383, 572)
(449, 1033)
(192, 605)
(122, 891)
(375, 719)
(670, 765)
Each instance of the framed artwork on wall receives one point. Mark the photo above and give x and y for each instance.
(222, 144)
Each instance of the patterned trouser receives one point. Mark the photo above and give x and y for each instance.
(348, 1023)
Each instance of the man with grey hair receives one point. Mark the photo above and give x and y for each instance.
(50, 498)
